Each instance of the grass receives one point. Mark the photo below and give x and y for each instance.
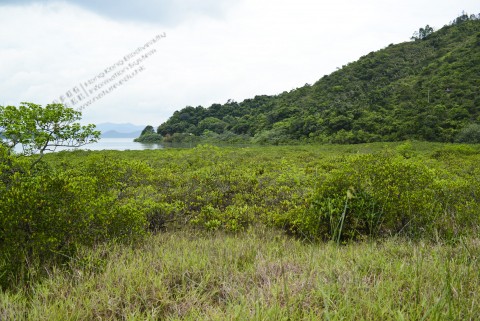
(260, 274)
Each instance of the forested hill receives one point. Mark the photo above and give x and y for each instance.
(425, 89)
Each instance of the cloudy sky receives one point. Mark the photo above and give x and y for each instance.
(202, 52)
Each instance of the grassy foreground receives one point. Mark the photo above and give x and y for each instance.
(259, 274)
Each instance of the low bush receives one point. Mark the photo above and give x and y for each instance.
(380, 195)
(45, 214)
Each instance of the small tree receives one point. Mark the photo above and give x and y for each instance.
(38, 129)
(469, 134)
(148, 130)
(149, 135)
(422, 33)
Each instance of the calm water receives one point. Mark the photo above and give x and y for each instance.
(114, 144)
(120, 144)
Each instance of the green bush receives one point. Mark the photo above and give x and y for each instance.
(454, 151)
(458, 200)
(233, 218)
(152, 138)
(45, 214)
(367, 196)
(469, 134)
(378, 195)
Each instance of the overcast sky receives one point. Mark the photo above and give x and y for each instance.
(202, 52)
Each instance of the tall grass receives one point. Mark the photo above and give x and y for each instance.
(257, 275)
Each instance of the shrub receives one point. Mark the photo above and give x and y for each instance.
(46, 214)
(368, 195)
(149, 138)
(233, 218)
(469, 134)
(454, 151)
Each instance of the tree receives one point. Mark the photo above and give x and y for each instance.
(149, 135)
(38, 129)
(148, 130)
(469, 134)
(213, 124)
(422, 33)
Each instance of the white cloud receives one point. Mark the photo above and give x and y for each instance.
(165, 12)
(211, 54)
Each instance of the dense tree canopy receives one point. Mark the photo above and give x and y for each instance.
(425, 90)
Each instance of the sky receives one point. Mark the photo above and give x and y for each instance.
(139, 61)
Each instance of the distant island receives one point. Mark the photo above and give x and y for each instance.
(124, 130)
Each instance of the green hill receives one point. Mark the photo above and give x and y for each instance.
(425, 89)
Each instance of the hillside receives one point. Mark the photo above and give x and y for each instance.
(425, 89)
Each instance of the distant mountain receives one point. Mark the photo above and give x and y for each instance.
(115, 134)
(125, 130)
(425, 89)
(121, 128)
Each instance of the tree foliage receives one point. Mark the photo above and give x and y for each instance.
(38, 129)
(424, 90)
(422, 33)
(148, 130)
(149, 135)
(46, 213)
(470, 134)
